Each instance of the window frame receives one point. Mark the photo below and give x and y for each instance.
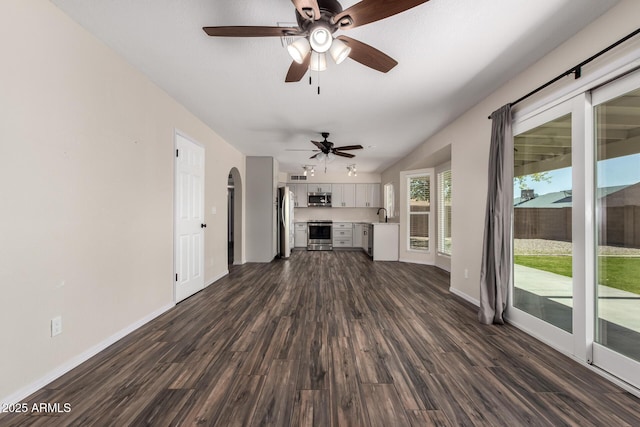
(442, 217)
(409, 177)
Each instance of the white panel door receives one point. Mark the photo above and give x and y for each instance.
(190, 225)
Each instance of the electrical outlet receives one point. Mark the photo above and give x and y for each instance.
(466, 273)
(56, 326)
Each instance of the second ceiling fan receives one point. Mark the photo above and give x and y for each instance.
(326, 148)
(317, 21)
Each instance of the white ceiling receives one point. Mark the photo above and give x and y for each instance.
(451, 54)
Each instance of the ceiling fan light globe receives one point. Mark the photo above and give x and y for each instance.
(339, 51)
(318, 62)
(299, 50)
(320, 39)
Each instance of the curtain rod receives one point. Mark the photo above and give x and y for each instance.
(577, 70)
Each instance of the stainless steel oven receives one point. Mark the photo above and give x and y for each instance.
(319, 235)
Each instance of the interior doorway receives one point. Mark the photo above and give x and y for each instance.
(234, 217)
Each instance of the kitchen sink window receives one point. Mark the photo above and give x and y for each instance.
(389, 200)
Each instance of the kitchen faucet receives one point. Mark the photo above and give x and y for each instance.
(385, 213)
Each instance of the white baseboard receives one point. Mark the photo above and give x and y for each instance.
(28, 390)
(464, 296)
(414, 261)
(218, 277)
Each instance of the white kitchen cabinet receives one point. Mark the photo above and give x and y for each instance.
(300, 192)
(318, 188)
(343, 195)
(357, 235)
(368, 195)
(342, 235)
(300, 235)
(385, 241)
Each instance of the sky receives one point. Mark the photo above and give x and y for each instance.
(611, 172)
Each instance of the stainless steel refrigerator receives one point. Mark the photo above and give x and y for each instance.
(285, 221)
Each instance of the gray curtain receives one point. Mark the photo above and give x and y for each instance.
(496, 251)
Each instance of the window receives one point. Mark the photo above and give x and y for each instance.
(419, 201)
(389, 202)
(444, 212)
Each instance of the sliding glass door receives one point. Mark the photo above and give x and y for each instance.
(617, 172)
(542, 297)
(576, 227)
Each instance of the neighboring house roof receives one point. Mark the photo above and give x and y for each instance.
(563, 199)
(628, 196)
(557, 199)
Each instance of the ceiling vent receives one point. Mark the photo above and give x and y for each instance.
(297, 178)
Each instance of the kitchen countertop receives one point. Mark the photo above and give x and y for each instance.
(353, 222)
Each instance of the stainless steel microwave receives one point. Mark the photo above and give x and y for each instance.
(319, 199)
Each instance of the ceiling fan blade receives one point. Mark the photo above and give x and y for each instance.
(297, 71)
(244, 31)
(320, 145)
(368, 11)
(349, 147)
(369, 56)
(338, 153)
(314, 156)
(308, 9)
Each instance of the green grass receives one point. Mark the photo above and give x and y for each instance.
(616, 272)
(558, 264)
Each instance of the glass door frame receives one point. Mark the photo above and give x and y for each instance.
(570, 343)
(605, 358)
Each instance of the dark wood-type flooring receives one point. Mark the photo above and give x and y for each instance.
(330, 339)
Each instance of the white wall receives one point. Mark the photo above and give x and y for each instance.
(468, 138)
(261, 235)
(86, 165)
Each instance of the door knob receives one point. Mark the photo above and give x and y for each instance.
(203, 225)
